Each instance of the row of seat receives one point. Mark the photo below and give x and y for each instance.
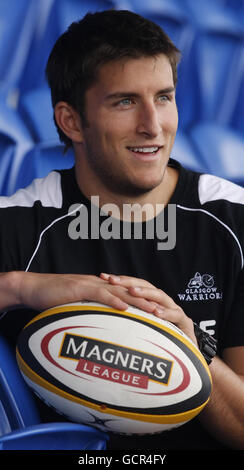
(211, 37)
(29, 29)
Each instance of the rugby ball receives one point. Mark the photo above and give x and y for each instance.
(126, 372)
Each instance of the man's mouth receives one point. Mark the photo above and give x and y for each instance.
(145, 150)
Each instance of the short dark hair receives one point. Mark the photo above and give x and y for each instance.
(97, 39)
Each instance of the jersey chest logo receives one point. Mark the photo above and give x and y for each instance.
(201, 287)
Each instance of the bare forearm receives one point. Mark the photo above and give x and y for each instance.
(40, 291)
(9, 290)
(223, 417)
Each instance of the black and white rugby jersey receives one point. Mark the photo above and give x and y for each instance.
(50, 227)
(43, 229)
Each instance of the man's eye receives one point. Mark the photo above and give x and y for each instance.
(164, 98)
(125, 102)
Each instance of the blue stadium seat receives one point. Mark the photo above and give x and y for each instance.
(169, 15)
(216, 58)
(20, 426)
(40, 160)
(174, 19)
(158, 7)
(213, 13)
(236, 6)
(222, 150)
(219, 69)
(35, 108)
(17, 24)
(55, 436)
(187, 91)
(72, 10)
(236, 106)
(45, 34)
(17, 409)
(54, 16)
(184, 152)
(15, 141)
(7, 152)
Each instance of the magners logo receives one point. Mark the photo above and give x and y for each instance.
(114, 362)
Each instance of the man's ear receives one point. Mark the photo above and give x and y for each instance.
(69, 121)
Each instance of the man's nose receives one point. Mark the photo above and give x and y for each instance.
(149, 121)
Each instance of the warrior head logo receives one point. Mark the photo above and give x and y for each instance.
(199, 280)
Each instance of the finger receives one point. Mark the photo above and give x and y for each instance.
(126, 281)
(113, 279)
(178, 317)
(153, 294)
(138, 302)
(104, 296)
(117, 297)
(105, 276)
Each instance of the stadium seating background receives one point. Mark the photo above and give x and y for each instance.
(210, 92)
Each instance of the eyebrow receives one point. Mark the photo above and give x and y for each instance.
(131, 94)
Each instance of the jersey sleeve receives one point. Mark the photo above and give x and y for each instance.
(233, 334)
(8, 253)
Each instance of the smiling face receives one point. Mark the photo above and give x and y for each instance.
(132, 121)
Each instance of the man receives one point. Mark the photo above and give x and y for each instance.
(113, 79)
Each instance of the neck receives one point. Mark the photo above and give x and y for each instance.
(145, 206)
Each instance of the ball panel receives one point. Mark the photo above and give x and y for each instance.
(108, 421)
(83, 307)
(49, 393)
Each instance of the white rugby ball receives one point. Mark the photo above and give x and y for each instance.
(121, 371)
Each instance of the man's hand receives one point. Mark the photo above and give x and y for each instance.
(163, 306)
